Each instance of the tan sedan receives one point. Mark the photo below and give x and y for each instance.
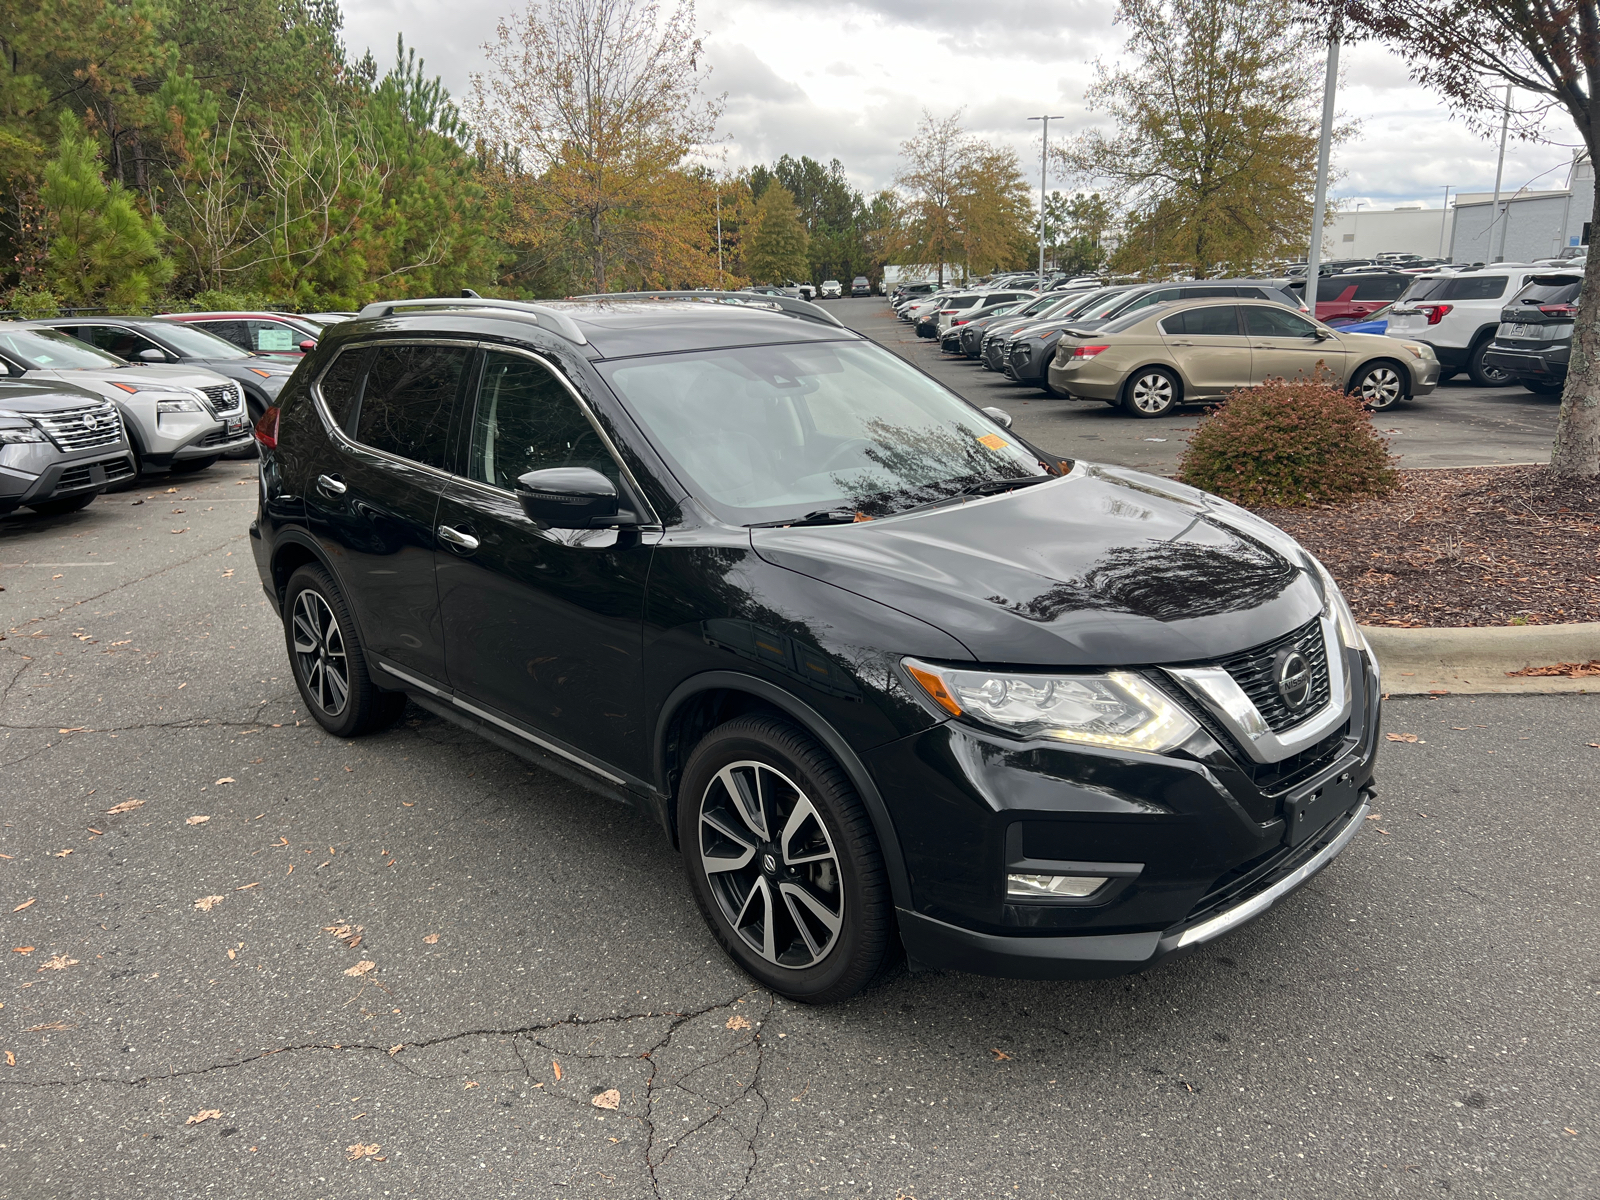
(1155, 359)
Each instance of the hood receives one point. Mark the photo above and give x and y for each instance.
(42, 397)
(178, 376)
(1103, 567)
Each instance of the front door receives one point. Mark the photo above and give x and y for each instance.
(1208, 347)
(1284, 345)
(541, 625)
(372, 495)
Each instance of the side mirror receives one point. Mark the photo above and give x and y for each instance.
(1321, 335)
(307, 346)
(151, 356)
(571, 498)
(1000, 416)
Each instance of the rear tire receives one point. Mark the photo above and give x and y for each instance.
(60, 508)
(328, 660)
(1152, 392)
(783, 860)
(1482, 374)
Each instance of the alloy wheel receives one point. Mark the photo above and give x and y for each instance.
(771, 865)
(1152, 393)
(320, 651)
(1380, 388)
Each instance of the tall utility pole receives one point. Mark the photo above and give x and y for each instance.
(1445, 219)
(1355, 231)
(1499, 172)
(719, 235)
(1319, 203)
(1044, 165)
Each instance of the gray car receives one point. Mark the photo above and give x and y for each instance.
(182, 418)
(60, 447)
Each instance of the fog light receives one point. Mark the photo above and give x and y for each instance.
(1071, 886)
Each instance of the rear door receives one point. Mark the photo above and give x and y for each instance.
(1284, 345)
(1208, 346)
(372, 491)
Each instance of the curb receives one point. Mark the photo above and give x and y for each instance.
(1475, 660)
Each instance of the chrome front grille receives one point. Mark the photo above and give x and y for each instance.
(83, 428)
(224, 398)
(1253, 671)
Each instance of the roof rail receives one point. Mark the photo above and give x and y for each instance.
(543, 315)
(788, 305)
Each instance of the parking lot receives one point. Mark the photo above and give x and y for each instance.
(244, 958)
(1459, 425)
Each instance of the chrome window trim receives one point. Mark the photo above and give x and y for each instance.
(1226, 701)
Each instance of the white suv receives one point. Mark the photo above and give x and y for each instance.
(1457, 313)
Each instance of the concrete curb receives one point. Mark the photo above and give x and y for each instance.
(1475, 660)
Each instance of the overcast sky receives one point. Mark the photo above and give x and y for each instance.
(836, 79)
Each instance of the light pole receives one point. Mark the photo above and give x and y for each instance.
(1044, 163)
(1445, 218)
(1499, 172)
(719, 235)
(1355, 231)
(1319, 202)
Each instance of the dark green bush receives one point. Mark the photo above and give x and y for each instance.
(1288, 444)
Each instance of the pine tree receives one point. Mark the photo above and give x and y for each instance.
(101, 248)
(776, 252)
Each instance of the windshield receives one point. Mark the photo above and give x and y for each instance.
(768, 433)
(1096, 307)
(52, 350)
(197, 343)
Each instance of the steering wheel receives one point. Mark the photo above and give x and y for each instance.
(842, 449)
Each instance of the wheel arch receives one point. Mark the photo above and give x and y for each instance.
(702, 702)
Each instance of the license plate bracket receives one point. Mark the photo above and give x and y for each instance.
(1308, 815)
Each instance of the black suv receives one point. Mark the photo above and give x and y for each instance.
(1533, 342)
(879, 668)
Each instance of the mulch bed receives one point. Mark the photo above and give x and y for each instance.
(1469, 546)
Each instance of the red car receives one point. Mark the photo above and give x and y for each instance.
(1355, 296)
(263, 332)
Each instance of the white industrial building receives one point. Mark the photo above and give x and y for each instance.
(1535, 224)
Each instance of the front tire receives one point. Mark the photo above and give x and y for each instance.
(1482, 373)
(1153, 392)
(60, 508)
(191, 466)
(329, 662)
(783, 861)
(1379, 386)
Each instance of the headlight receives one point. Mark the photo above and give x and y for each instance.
(1337, 609)
(1416, 349)
(1117, 710)
(185, 404)
(18, 436)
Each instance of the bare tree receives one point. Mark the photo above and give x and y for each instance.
(1549, 50)
(603, 100)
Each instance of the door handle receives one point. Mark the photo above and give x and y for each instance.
(1182, 343)
(456, 538)
(331, 484)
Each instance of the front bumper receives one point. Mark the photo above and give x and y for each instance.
(60, 479)
(1194, 843)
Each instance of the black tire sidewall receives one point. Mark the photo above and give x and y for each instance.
(61, 508)
(1127, 394)
(1361, 378)
(367, 707)
(1478, 371)
(863, 939)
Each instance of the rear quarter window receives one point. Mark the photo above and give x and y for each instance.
(1550, 292)
(1473, 287)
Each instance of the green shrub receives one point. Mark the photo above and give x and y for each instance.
(1288, 444)
(219, 300)
(33, 304)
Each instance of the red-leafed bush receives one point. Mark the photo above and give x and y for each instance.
(1289, 444)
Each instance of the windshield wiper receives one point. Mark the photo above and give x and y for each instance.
(822, 516)
(988, 487)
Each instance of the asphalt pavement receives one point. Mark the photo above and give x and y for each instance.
(1458, 425)
(243, 958)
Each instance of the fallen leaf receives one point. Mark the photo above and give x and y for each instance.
(232, 954)
(358, 1151)
(207, 903)
(225, 779)
(74, 729)
(62, 853)
(197, 820)
(361, 968)
(1566, 670)
(246, 887)
(1000, 1055)
(23, 949)
(1374, 816)
(25, 904)
(185, 529)
(610, 1099)
(556, 1067)
(47, 1028)
(737, 1022)
(11, 1059)
(170, 491)
(125, 806)
(471, 1083)
(59, 963)
(395, 1049)
(1595, 745)
(1401, 737)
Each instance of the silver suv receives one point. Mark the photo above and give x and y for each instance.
(184, 418)
(60, 447)
(1457, 313)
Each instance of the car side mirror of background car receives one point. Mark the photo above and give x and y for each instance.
(1000, 416)
(151, 356)
(308, 346)
(571, 498)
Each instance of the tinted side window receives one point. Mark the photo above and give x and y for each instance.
(1550, 292)
(1381, 287)
(527, 421)
(1474, 287)
(341, 386)
(406, 406)
(1261, 321)
(1221, 320)
(228, 331)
